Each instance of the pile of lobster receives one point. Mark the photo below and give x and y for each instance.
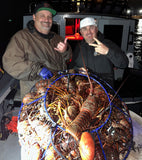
(74, 117)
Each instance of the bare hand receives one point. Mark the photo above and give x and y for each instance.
(62, 46)
(100, 47)
(82, 70)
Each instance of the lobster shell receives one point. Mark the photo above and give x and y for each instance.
(87, 146)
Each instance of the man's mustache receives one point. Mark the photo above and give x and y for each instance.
(46, 22)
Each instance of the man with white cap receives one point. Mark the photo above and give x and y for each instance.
(36, 52)
(97, 54)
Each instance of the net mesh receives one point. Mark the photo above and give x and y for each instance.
(55, 114)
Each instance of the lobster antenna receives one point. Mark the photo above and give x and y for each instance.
(118, 90)
(91, 86)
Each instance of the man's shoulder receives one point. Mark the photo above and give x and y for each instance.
(22, 32)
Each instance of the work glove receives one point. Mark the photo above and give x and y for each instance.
(45, 73)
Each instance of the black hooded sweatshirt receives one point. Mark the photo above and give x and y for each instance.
(101, 65)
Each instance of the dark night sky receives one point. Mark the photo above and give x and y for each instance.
(12, 12)
(11, 17)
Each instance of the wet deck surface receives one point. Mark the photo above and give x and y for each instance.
(10, 149)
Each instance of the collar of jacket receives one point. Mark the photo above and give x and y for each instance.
(32, 29)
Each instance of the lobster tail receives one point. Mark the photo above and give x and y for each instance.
(81, 123)
(83, 119)
(87, 146)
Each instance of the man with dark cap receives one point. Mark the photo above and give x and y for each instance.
(97, 54)
(36, 52)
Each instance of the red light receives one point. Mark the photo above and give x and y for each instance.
(72, 31)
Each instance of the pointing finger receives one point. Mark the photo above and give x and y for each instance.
(94, 45)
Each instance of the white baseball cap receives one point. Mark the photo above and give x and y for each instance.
(87, 22)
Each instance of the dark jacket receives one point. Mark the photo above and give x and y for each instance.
(101, 65)
(29, 51)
